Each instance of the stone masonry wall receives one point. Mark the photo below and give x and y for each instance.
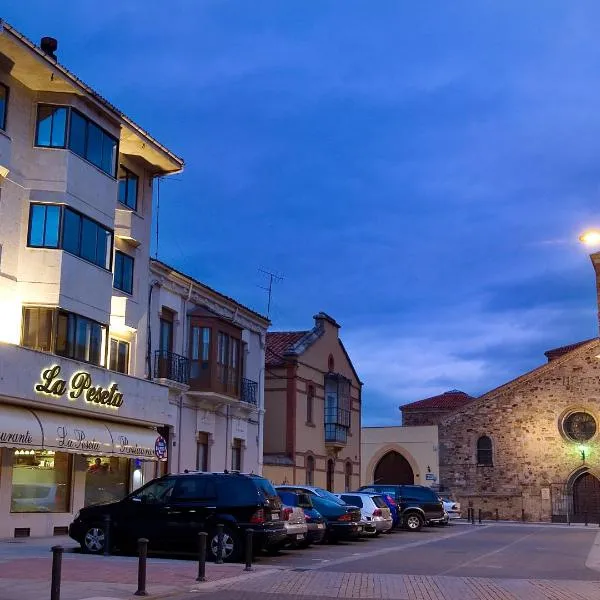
(531, 457)
(413, 418)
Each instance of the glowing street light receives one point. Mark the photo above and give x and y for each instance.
(591, 237)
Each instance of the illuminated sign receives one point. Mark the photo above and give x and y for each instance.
(135, 449)
(79, 386)
(160, 447)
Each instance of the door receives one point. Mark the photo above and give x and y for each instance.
(165, 344)
(586, 498)
(393, 468)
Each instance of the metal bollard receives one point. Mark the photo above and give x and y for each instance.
(219, 560)
(143, 555)
(249, 534)
(523, 514)
(201, 556)
(496, 514)
(586, 518)
(57, 552)
(472, 516)
(479, 515)
(106, 535)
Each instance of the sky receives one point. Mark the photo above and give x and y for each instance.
(420, 171)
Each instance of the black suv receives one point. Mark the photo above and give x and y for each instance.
(171, 510)
(417, 504)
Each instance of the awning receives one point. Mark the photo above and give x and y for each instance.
(135, 442)
(19, 428)
(67, 433)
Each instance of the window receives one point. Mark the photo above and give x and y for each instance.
(80, 338)
(128, 188)
(310, 400)
(51, 130)
(202, 455)
(195, 488)
(123, 279)
(41, 481)
(106, 479)
(330, 475)
(348, 476)
(37, 328)
(236, 455)
(3, 105)
(119, 356)
(44, 225)
(200, 354)
(228, 363)
(337, 408)
(484, 451)
(155, 492)
(352, 500)
(310, 470)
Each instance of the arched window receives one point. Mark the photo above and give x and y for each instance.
(310, 400)
(484, 451)
(330, 474)
(348, 476)
(310, 470)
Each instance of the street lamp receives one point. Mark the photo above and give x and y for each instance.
(591, 237)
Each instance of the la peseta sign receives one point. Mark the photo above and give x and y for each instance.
(79, 386)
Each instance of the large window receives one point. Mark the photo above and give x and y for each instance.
(3, 105)
(228, 363)
(44, 225)
(200, 354)
(106, 479)
(337, 408)
(79, 235)
(80, 338)
(484, 451)
(123, 279)
(41, 482)
(38, 325)
(119, 356)
(85, 138)
(128, 188)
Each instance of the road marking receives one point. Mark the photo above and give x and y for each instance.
(593, 559)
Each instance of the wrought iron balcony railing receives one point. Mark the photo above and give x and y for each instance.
(249, 391)
(168, 365)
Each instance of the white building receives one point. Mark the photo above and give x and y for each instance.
(79, 420)
(210, 351)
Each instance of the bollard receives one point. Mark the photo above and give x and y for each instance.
(472, 516)
(219, 560)
(586, 518)
(106, 535)
(57, 552)
(201, 556)
(143, 554)
(496, 514)
(523, 514)
(568, 518)
(479, 515)
(249, 533)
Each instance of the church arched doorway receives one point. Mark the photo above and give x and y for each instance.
(393, 468)
(586, 498)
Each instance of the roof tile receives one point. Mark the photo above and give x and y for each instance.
(278, 343)
(446, 401)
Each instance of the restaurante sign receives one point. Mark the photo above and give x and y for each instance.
(79, 385)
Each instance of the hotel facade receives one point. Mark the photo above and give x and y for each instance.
(81, 420)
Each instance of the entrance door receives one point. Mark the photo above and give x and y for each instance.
(586, 498)
(393, 468)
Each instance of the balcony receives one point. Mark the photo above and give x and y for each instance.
(336, 435)
(249, 391)
(171, 369)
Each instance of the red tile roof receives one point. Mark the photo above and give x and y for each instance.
(557, 352)
(446, 401)
(278, 343)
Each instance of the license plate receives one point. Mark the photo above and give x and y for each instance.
(275, 516)
(320, 526)
(300, 536)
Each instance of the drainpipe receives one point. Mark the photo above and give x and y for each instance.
(154, 284)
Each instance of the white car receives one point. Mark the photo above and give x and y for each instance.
(295, 525)
(451, 508)
(375, 513)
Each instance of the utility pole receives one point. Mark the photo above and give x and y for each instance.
(273, 278)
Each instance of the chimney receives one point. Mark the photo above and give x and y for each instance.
(49, 45)
(322, 319)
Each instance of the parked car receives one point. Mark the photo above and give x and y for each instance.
(342, 521)
(418, 504)
(393, 509)
(171, 510)
(295, 525)
(376, 515)
(451, 507)
(315, 523)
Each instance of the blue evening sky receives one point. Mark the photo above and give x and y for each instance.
(419, 170)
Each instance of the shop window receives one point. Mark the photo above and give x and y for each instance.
(484, 451)
(119, 356)
(3, 105)
(202, 455)
(123, 278)
(236, 455)
(106, 479)
(310, 470)
(41, 482)
(128, 188)
(37, 328)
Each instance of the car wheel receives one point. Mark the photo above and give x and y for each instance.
(232, 549)
(413, 522)
(94, 540)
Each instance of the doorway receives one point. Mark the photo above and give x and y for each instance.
(394, 469)
(586, 498)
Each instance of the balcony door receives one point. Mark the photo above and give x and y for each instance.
(165, 344)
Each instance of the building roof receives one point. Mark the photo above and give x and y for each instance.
(160, 265)
(555, 353)
(446, 401)
(279, 343)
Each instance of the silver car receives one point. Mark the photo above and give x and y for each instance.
(295, 525)
(375, 513)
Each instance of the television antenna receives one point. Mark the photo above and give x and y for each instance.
(273, 278)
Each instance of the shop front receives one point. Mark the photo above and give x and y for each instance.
(60, 450)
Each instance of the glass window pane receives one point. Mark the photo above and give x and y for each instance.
(123, 362)
(95, 349)
(109, 154)
(52, 226)
(118, 276)
(77, 133)
(3, 105)
(132, 187)
(106, 479)
(71, 232)
(104, 247)
(94, 144)
(195, 343)
(44, 125)
(37, 225)
(61, 333)
(122, 191)
(89, 240)
(41, 481)
(59, 127)
(113, 355)
(82, 339)
(128, 274)
(205, 343)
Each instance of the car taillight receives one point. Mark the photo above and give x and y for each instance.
(346, 517)
(377, 512)
(286, 513)
(258, 517)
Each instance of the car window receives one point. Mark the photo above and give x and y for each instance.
(329, 496)
(421, 494)
(195, 488)
(265, 487)
(289, 498)
(156, 492)
(352, 500)
(304, 500)
(379, 502)
(237, 491)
